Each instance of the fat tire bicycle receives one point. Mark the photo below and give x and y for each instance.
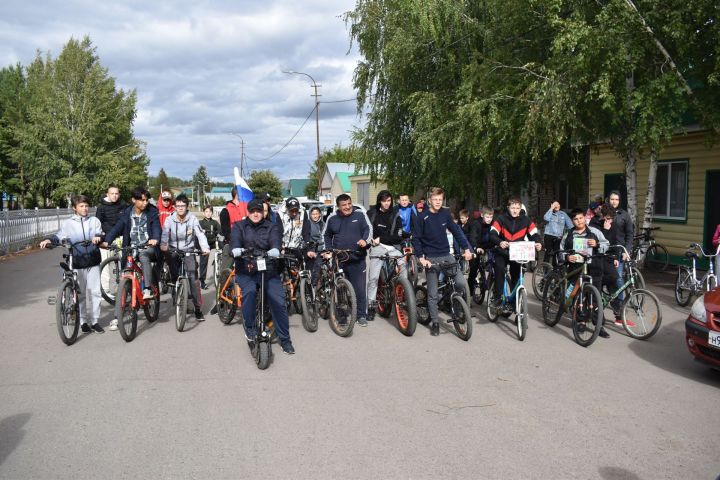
(334, 298)
(129, 297)
(687, 284)
(395, 295)
(449, 301)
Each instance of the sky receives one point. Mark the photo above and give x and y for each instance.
(210, 73)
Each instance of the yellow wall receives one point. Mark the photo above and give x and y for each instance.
(674, 236)
(372, 190)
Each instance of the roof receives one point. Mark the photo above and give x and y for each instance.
(221, 190)
(344, 178)
(334, 168)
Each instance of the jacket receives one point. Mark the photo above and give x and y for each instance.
(430, 233)
(76, 229)
(624, 228)
(181, 234)
(386, 225)
(513, 229)
(262, 236)
(317, 237)
(229, 215)
(109, 212)
(484, 235)
(590, 233)
(212, 230)
(557, 223)
(471, 230)
(122, 227)
(343, 232)
(406, 215)
(163, 212)
(292, 227)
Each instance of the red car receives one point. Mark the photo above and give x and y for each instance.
(702, 329)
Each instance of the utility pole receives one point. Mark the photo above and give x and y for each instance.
(317, 122)
(242, 154)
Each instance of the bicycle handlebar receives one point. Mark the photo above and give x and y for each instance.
(697, 246)
(70, 245)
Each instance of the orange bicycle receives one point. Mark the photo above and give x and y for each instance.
(129, 298)
(229, 297)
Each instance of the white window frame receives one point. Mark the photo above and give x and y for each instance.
(669, 164)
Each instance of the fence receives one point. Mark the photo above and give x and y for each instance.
(20, 229)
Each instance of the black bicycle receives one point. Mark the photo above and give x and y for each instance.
(335, 298)
(395, 296)
(449, 301)
(181, 290)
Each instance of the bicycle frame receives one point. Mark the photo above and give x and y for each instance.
(134, 273)
(704, 282)
(237, 293)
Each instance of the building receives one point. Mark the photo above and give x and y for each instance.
(364, 191)
(296, 187)
(687, 194)
(328, 176)
(340, 184)
(220, 192)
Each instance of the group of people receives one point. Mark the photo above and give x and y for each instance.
(435, 235)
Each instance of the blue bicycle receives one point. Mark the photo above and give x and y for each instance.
(511, 301)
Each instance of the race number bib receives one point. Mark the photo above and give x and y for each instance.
(261, 264)
(580, 245)
(522, 251)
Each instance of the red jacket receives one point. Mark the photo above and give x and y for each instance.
(716, 237)
(164, 212)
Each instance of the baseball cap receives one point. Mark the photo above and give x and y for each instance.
(594, 205)
(255, 204)
(291, 203)
(166, 196)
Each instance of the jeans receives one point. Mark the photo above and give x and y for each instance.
(502, 259)
(620, 280)
(355, 272)
(274, 294)
(147, 256)
(190, 271)
(375, 266)
(431, 275)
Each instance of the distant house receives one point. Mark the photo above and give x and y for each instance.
(340, 184)
(363, 191)
(296, 187)
(687, 192)
(328, 176)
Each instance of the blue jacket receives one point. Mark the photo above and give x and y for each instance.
(557, 223)
(124, 224)
(429, 236)
(343, 232)
(406, 215)
(263, 236)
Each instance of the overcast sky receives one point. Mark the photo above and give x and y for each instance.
(204, 70)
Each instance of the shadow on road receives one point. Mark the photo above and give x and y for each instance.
(617, 473)
(11, 434)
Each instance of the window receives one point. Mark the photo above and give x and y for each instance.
(671, 190)
(364, 194)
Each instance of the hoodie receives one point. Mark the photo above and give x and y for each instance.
(163, 212)
(181, 234)
(76, 229)
(109, 213)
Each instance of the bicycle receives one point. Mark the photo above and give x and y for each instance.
(484, 279)
(110, 272)
(294, 264)
(335, 297)
(181, 290)
(411, 263)
(449, 301)
(228, 297)
(395, 296)
(130, 295)
(647, 253)
(586, 308)
(217, 258)
(67, 306)
(640, 311)
(687, 285)
(521, 253)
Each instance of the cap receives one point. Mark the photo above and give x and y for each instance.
(291, 203)
(255, 204)
(166, 196)
(594, 205)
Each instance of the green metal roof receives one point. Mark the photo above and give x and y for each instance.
(344, 180)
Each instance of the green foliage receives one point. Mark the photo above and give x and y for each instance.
(264, 181)
(68, 130)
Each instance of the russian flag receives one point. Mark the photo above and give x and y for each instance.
(244, 192)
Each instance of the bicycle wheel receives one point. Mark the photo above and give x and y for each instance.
(383, 296)
(165, 278)
(423, 314)
(492, 312)
(461, 317)
(587, 315)
(522, 312)
(641, 314)
(67, 313)
(125, 313)
(553, 298)
(343, 308)
(182, 287)
(683, 290)
(639, 279)
(712, 283)
(225, 309)
(538, 283)
(657, 258)
(404, 308)
(412, 270)
(262, 355)
(110, 272)
(309, 310)
(152, 306)
(478, 293)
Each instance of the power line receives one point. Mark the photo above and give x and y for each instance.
(288, 142)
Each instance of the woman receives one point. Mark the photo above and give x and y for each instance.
(312, 232)
(86, 260)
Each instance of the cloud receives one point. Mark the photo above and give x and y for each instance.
(203, 70)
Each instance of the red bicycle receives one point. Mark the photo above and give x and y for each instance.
(129, 298)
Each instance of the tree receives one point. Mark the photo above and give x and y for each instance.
(201, 182)
(264, 181)
(338, 154)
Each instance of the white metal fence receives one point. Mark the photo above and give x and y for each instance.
(20, 229)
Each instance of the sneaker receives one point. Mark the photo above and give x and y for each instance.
(213, 311)
(618, 321)
(85, 328)
(434, 329)
(250, 335)
(495, 302)
(287, 347)
(113, 325)
(203, 285)
(199, 315)
(98, 328)
(147, 294)
(604, 333)
(362, 321)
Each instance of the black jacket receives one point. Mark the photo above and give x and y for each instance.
(471, 229)
(109, 213)
(343, 232)
(386, 225)
(624, 229)
(262, 236)
(212, 230)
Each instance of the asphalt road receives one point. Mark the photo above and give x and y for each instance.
(375, 405)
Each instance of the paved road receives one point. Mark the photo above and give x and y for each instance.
(375, 405)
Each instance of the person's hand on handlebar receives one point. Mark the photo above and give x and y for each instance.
(538, 246)
(467, 255)
(45, 243)
(273, 252)
(205, 253)
(362, 243)
(152, 243)
(504, 244)
(425, 262)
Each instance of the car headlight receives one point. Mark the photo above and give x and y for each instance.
(698, 311)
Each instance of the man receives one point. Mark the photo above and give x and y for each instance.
(605, 224)
(431, 246)
(348, 228)
(258, 234)
(139, 224)
(165, 206)
(212, 230)
(229, 216)
(180, 232)
(597, 243)
(624, 233)
(387, 233)
(557, 222)
(108, 212)
(406, 210)
(506, 228)
(471, 229)
(292, 218)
